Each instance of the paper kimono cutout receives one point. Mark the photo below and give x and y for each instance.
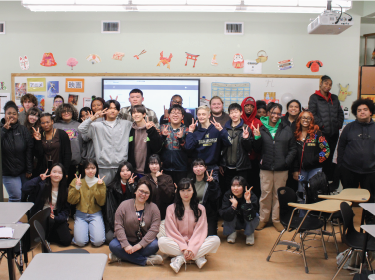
(192, 57)
(344, 92)
(48, 60)
(165, 60)
(238, 61)
(24, 62)
(137, 56)
(314, 65)
(262, 57)
(93, 58)
(72, 62)
(118, 56)
(285, 64)
(213, 61)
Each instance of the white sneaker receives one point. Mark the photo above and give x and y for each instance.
(250, 239)
(113, 258)
(232, 237)
(154, 259)
(176, 263)
(201, 262)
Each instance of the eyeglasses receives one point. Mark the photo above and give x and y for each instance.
(66, 112)
(276, 114)
(176, 113)
(177, 102)
(306, 118)
(143, 192)
(58, 101)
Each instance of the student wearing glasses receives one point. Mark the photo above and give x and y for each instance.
(276, 143)
(57, 101)
(176, 100)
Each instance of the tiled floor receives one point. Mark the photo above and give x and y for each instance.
(233, 261)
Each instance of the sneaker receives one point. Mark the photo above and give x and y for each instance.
(201, 262)
(113, 258)
(278, 226)
(176, 263)
(250, 239)
(261, 225)
(232, 237)
(154, 259)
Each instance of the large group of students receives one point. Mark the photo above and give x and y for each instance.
(141, 184)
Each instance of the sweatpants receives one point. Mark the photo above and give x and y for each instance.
(109, 174)
(270, 182)
(168, 246)
(161, 230)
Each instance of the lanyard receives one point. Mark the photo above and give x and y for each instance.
(140, 219)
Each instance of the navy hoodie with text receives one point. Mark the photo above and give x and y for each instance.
(207, 143)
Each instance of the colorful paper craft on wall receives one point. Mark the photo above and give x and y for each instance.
(285, 64)
(36, 84)
(344, 92)
(20, 90)
(24, 62)
(41, 101)
(238, 61)
(213, 61)
(93, 58)
(165, 60)
(118, 56)
(20, 108)
(137, 56)
(73, 99)
(262, 57)
(270, 97)
(192, 57)
(52, 88)
(72, 62)
(48, 60)
(314, 65)
(2, 86)
(74, 85)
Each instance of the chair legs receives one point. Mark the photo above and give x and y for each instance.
(274, 245)
(348, 254)
(368, 262)
(302, 237)
(324, 245)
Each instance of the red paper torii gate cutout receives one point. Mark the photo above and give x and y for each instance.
(192, 57)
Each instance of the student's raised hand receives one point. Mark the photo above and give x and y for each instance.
(234, 201)
(7, 123)
(159, 173)
(192, 126)
(36, 134)
(149, 123)
(247, 195)
(88, 115)
(165, 131)
(99, 114)
(112, 98)
(78, 182)
(256, 130)
(209, 176)
(44, 175)
(131, 179)
(166, 115)
(217, 124)
(100, 180)
(136, 248)
(129, 249)
(245, 133)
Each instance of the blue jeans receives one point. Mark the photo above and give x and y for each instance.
(307, 174)
(85, 224)
(235, 224)
(13, 186)
(139, 257)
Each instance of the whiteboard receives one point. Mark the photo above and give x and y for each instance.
(299, 88)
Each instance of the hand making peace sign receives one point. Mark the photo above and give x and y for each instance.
(165, 131)
(256, 130)
(131, 179)
(100, 180)
(217, 124)
(180, 133)
(78, 181)
(37, 136)
(99, 114)
(88, 115)
(247, 195)
(159, 173)
(192, 126)
(209, 176)
(112, 98)
(7, 123)
(245, 133)
(149, 123)
(44, 175)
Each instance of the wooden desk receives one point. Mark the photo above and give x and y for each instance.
(353, 195)
(326, 206)
(12, 212)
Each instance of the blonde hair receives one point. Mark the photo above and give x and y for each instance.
(204, 107)
(216, 97)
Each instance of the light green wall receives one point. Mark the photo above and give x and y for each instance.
(77, 35)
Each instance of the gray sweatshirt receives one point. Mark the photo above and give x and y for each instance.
(110, 143)
(75, 137)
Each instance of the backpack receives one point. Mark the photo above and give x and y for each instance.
(317, 186)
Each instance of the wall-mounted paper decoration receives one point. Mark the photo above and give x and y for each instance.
(41, 101)
(20, 108)
(87, 102)
(73, 99)
(165, 60)
(262, 57)
(344, 92)
(52, 88)
(252, 67)
(36, 84)
(93, 58)
(238, 61)
(24, 62)
(137, 56)
(314, 65)
(192, 57)
(270, 97)
(2, 86)
(74, 85)
(118, 56)
(72, 62)
(213, 61)
(48, 60)
(4, 98)
(20, 90)
(285, 64)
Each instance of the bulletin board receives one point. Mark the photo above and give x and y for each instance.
(259, 86)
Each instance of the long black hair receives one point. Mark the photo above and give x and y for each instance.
(198, 161)
(117, 179)
(62, 196)
(84, 109)
(179, 211)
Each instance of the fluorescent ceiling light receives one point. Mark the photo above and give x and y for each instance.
(308, 10)
(159, 2)
(102, 2)
(214, 2)
(75, 8)
(47, 2)
(271, 2)
(323, 3)
(186, 8)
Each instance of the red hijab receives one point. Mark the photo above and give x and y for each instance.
(250, 120)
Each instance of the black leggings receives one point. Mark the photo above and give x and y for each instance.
(59, 233)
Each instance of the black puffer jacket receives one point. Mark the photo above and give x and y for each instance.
(276, 154)
(244, 211)
(327, 114)
(356, 148)
(16, 150)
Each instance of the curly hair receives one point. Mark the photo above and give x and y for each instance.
(29, 97)
(66, 107)
(368, 102)
(313, 128)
